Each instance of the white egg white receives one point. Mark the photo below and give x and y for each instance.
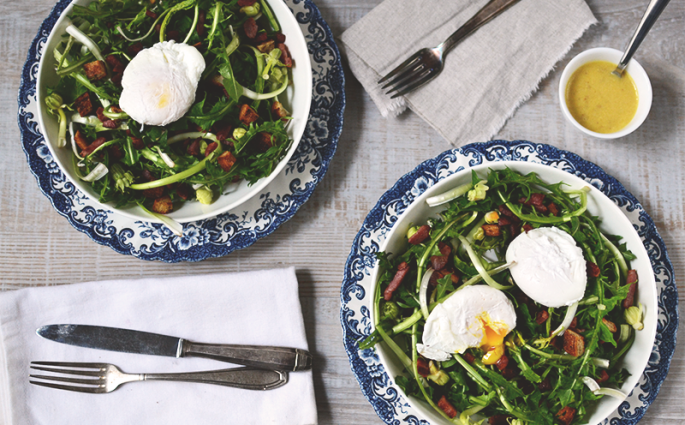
(459, 322)
(159, 84)
(549, 266)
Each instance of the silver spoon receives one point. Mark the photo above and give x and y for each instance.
(651, 15)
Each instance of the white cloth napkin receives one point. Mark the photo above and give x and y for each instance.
(486, 77)
(244, 308)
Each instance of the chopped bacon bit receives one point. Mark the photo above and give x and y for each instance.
(83, 104)
(502, 362)
(469, 358)
(631, 280)
(446, 407)
(151, 14)
(422, 367)
(210, 148)
(592, 269)
(541, 317)
(184, 191)
(194, 147)
(285, 55)
(525, 201)
(147, 176)
(266, 47)
(115, 64)
(445, 249)
(509, 373)
(250, 27)
(439, 262)
(163, 205)
(498, 420)
(222, 130)
(100, 114)
(545, 385)
(541, 209)
(574, 343)
(504, 221)
(80, 140)
(153, 193)
(243, 3)
(135, 48)
(263, 141)
(137, 142)
(566, 415)
(558, 343)
(504, 210)
(400, 274)
(115, 152)
(552, 207)
(514, 229)
(491, 230)
(574, 323)
(280, 37)
(261, 37)
(200, 28)
(527, 227)
(173, 35)
(537, 199)
(95, 70)
(455, 278)
(96, 144)
(420, 235)
(116, 79)
(226, 161)
(603, 377)
(611, 325)
(278, 110)
(247, 115)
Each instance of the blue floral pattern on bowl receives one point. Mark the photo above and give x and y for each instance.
(390, 404)
(223, 234)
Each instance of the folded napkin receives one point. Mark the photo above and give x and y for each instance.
(245, 308)
(486, 77)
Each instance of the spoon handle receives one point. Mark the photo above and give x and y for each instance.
(651, 15)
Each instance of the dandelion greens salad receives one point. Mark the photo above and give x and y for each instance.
(168, 101)
(512, 307)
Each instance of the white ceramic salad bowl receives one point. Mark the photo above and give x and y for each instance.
(297, 99)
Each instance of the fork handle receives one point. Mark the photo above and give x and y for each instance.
(265, 357)
(242, 377)
(489, 11)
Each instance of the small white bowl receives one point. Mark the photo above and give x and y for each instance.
(297, 99)
(644, 89)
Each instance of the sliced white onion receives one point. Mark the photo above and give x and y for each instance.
(85, 40)
(597, 390)
(196, 186)
(570, 314)
(423, 292)
(591, 383)
(98, 172)
(192, 135)
(479, 266)
(599, 362)
(445, 197)
(166, 158)
(90, 121)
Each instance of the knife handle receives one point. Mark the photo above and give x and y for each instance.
(241, 377)
(260, 356)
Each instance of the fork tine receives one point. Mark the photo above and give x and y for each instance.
(404, 76)
(91, 390)
(72, 380)
(69, 371)
(81, 365)
(425, 77)
(416, 56)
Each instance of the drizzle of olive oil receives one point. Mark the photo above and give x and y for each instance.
(599, 100)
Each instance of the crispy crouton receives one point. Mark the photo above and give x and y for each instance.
(95, 70)
(115, 64)
(609, 324)
(247, 114)
(278, 110)
(163, 205)
(574, 343)
(83, 104)
(81, 140)
(566, 415)
(491, 230)
(226, 161)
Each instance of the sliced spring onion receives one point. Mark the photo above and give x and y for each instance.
(617, 254)
(170, 223)
(625, 333)
(167, 160)
(86, 41)
(147, 34)
(479, 266)
(597, 390)
(423, 292)
(97, 173)
(192, 135)
(570, 314)
(172, 179)
(264, 96)
(603, 363)
(192, 27)
(270, 16)
(406, 361)
(445, 197)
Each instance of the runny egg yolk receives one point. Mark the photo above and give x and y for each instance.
(493, 339)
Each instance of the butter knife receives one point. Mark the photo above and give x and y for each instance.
(130, 341)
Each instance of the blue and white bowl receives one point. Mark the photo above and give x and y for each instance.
(384, 229)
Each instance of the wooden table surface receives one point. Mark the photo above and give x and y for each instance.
(39, 247)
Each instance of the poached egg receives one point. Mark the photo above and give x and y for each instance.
(549, 266)
(477, 316)
(159, 84)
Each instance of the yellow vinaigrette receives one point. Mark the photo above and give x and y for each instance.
(599, 100)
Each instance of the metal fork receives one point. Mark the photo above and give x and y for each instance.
(105, 378)
(427, 63)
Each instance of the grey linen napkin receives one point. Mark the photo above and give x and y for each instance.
(486, 77)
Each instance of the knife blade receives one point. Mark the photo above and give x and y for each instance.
(132, 341)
